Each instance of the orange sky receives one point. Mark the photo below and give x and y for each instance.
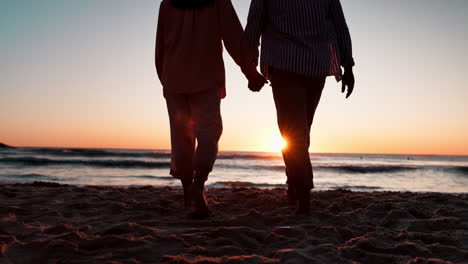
(76, 75)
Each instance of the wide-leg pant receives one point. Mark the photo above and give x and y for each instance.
(195, 120)
(296, 99)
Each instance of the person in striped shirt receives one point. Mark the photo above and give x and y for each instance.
(302, 42)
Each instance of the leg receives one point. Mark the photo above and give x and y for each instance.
(290, 97)
(314, 93)
(206, 114)
(182, 141)
(296, 99)
(208, 128)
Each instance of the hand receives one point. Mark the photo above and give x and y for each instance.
(348, 80)
(257, 82)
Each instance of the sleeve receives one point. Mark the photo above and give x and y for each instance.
(342, 32)
(234, 40)
(159, 51)
(255, 26)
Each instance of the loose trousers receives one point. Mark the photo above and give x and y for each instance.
(296, 99)
(195, 119)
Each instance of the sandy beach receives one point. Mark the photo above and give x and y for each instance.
(51, 223)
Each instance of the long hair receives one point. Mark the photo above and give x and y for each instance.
(191, 4)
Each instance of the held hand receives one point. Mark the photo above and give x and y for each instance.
(257, 82)
(348, 80)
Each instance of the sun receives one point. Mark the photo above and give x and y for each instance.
(277, 144)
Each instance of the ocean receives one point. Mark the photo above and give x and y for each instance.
(122, 167)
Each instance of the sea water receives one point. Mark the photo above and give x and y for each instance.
(120, 167)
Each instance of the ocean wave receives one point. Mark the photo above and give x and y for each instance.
(337, 168)
(42, 177)
(243, 184)
(32, 176)
(226, 156)
(462, 170)
(357, 187)
(127, 164)
(251, 167)
(31, 161)
(96, 153)
(154, 164)
(165, 178)
(368, 168)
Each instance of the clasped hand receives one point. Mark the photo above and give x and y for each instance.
(257, 82)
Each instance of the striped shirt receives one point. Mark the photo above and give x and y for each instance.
(308, 37)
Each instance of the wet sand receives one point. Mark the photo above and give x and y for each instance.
(51, 223)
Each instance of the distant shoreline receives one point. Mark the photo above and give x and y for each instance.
(5, 146)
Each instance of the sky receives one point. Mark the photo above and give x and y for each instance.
(81, 74)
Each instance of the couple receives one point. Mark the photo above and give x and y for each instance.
(303, 42)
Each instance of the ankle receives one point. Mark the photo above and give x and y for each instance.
(186, 181)
(201, 176)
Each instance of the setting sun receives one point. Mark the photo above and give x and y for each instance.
(277, 144)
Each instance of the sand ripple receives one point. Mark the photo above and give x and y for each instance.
(51, 223)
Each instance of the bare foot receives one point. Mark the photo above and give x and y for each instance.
(201, 210)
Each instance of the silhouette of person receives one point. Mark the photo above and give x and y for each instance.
(189, 63)
(303, 42)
